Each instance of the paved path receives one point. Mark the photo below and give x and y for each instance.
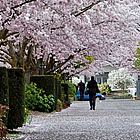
(113, 119)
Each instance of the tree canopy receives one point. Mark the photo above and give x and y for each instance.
(119, 79)
(75, 36)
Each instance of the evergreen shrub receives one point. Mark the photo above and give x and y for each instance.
(65, 96)
(36, 99)
(16, 98)
(59, 90)
(71, 89)
(47, 83)
(4, 87)
(4, 90)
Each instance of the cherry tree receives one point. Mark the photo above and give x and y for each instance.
(74, 36)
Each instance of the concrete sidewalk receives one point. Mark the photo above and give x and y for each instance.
(117, 119)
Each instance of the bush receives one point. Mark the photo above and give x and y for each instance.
(27, 112)
(4, 87)
(59, 105)
(65, 96)
(71, 89)
(4, 90)
(104, 88)
(47, 83)
(16, 98)
(36, 99)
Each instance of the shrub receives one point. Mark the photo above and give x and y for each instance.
(71, 89)
(4, 86)
(27, 112)
(59, 105)
(65, 96)
(16, 98)
(36, 99)
(47, 83)
(4, 90)
(104, 88)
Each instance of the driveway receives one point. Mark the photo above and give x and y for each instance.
(113, 119)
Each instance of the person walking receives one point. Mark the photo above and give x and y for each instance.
(81, 86)
(93, 89)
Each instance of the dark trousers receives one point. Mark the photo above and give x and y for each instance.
(92, 99)
(81, 95)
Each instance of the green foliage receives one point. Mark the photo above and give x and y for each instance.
(36, 99)
(59, 103)
(71, 88)
(65, 95)
(27, 112)
(46, 82)
(59, 90)
(79, 64)
(90, 58)
(104, 87)
(16, 98)
(137, 61)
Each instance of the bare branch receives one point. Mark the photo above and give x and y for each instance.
(77, 13)
(12, 33)
(58, 28)
(4, 51)
(3, 42)
(98, 23)
(61, 64)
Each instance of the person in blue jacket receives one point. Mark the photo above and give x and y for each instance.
(81, 86)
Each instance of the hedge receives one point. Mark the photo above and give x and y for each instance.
(47, 83)
(65, 92)
(4, 89)
(16, 97)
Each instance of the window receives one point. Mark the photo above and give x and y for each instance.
(98, 80)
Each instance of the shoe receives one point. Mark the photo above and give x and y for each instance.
(91, 108)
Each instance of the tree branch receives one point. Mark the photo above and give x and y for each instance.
(4, 51)
(19, 5)
(12, 33)
(76, 13)
(61, 64)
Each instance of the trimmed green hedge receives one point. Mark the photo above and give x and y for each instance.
(59, 90)
(4, 89)
(56, 93)
(65, 92)
(47, 83)
(16, 98)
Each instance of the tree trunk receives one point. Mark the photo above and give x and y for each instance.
(27, 77)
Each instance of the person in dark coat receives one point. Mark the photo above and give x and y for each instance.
(81, 86)
(93, 89)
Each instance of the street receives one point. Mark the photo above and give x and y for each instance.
(113, 119)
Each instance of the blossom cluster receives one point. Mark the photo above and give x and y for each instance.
(103, 29)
